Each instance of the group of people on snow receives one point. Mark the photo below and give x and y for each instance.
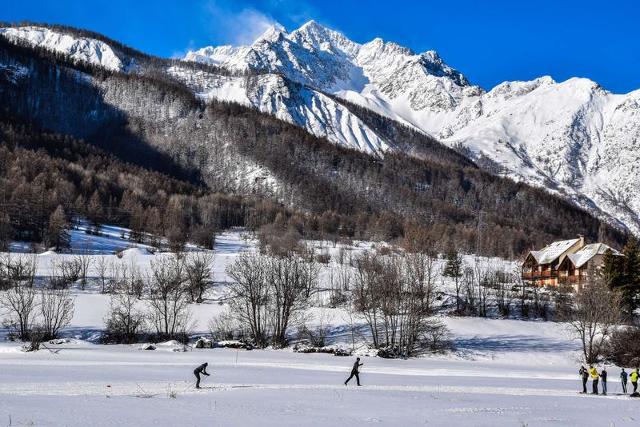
(592, 371)
(601, 377)
(355, 372)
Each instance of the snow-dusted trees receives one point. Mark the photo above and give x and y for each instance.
(268, 293)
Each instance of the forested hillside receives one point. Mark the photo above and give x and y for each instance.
(149, 119)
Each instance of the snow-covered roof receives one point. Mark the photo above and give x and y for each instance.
(549, 253)
(581, 257)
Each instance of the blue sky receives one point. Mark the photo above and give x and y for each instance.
(489, 41)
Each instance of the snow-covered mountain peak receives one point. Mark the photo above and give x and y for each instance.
(317, 37)
(80, 48)
(271, 34)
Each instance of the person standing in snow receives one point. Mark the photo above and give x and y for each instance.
(634, 381)
(202, 369)
(623, 380)
(584, 374)
(355, 371)
(594, 378)
(603, 376)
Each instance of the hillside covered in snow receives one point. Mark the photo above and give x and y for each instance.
(247, 122)
(573, 138)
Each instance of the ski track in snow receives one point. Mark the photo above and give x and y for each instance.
(143, 389)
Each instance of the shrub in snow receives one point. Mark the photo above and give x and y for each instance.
(233, 344)
(124, 322)
(623, 348)
(203, 343)
(147, 346)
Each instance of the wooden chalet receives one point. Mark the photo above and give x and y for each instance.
(565, 261)
(541, 267)
(576, 268)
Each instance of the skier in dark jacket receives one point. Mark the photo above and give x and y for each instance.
(584, 374)
(202, 369)
(623, 380)
(355, 371)
(603, 379)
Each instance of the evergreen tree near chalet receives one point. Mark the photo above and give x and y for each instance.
(623, 273)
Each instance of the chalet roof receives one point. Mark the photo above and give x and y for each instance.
(583, 256)
(549, 253)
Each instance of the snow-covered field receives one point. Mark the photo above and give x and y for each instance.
(504, 372)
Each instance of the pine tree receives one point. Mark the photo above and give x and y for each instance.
(631, 277)
(95, 212)
(6, 231)
(57, 231)
(453, 269)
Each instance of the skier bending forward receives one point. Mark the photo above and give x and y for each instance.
(355, 371)
(202, 369)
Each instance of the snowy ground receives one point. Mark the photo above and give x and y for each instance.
(504, 372)
(510, 373)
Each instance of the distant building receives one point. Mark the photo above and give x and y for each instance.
(565, 261)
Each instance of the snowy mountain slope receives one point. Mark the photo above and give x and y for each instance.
(84, 49)
(573, 138)
(312, 110)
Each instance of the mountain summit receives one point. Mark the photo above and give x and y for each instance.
(573, 138)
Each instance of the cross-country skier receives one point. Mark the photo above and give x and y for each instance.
(623, 380)
(355, 371)
(202, 369)
(603, 376)
(594, 378)
(634, 381)
(584, 374)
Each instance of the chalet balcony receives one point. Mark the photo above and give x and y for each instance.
(537, 275)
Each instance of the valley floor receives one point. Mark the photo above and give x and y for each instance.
(503, 373)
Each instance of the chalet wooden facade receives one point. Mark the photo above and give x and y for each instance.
(567, 261)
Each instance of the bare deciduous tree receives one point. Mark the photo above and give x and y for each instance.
(101, 264)
(395, 295)
(250, 294)
(199, 274)
(291, 281)
(20, 302)
(56, 311)
(168, 300)
(595, 311)
(124, 321)
(82, 262)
